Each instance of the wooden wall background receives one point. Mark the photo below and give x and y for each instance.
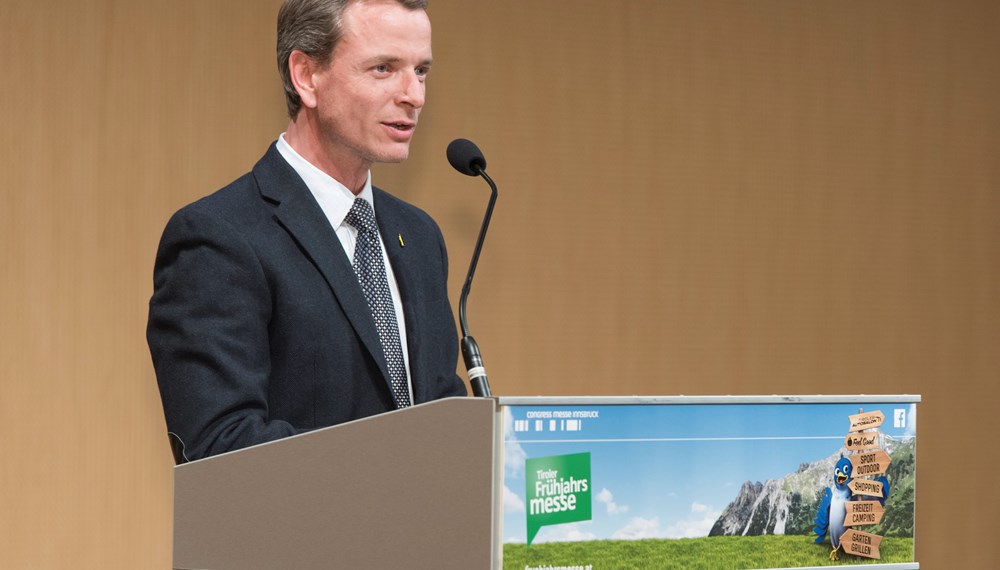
(697, 197)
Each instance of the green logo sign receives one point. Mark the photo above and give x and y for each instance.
(557, 490)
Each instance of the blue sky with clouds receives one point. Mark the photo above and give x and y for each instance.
(667, 471)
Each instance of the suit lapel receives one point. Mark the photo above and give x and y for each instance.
(298, 212)
(391, 226)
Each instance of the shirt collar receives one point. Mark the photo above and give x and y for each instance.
(334, 198)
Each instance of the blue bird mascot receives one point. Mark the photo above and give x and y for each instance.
(832, 512)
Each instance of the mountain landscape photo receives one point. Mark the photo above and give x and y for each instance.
(787, 506)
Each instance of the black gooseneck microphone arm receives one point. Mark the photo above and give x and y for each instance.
(470, 350)
(466, 158)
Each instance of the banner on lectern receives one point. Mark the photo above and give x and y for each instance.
(717, 485)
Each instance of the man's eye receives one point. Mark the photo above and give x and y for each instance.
(423, 71)
(382, 68)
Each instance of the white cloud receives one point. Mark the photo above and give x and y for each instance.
(513, 454)
(694, 527)
(608, 499)
(690, 529)
(572, 532)
(639, 528)
(511, 502)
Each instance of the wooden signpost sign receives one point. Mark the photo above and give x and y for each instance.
(861, 441)
(871, 463)
(865, 487)
(863, 421)
(861, 543)
(864, 512)
(869, 459)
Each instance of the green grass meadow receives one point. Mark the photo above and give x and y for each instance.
(711, 553)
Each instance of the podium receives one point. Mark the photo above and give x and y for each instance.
(554, 482)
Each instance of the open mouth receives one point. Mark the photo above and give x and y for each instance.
(400, 126)
(841, 478)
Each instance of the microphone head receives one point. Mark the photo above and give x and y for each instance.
(466, 157)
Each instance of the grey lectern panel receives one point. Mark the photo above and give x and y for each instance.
(407, 489)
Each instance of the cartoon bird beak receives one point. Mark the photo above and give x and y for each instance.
(841, 478)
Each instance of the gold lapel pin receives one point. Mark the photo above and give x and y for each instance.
(401, 244)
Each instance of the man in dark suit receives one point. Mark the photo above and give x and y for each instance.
(272, 313)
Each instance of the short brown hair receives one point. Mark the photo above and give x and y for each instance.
(313, 27)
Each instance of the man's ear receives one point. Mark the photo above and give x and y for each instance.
(301, 68)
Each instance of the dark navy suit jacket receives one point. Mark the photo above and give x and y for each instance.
(259, 329)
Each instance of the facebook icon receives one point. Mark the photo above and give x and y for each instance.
(899, 418)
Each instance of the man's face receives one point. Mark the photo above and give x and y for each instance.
(370, 94)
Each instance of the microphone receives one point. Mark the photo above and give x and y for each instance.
(466, 158)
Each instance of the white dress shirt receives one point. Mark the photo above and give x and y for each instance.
(336, 200)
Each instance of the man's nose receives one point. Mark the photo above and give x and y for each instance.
(412, 90)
